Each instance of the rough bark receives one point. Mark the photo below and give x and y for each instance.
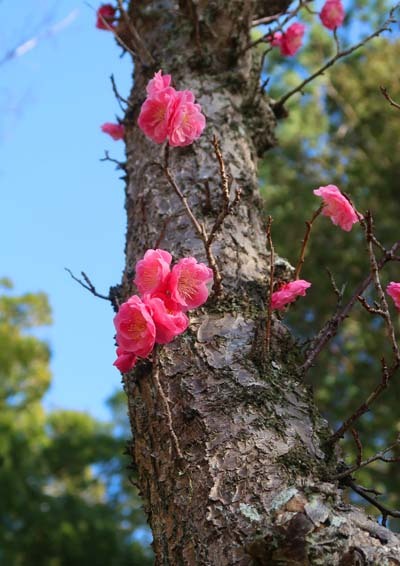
(253, 486)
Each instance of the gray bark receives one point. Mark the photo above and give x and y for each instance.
(253, 486)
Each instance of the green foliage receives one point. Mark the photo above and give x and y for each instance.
(64, 494)
(344, 133)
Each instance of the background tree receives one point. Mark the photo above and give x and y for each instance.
(64, 487)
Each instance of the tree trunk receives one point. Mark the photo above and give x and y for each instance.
(253, 485)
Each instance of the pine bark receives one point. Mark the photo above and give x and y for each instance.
(253, 486)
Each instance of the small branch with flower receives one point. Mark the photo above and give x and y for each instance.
(172, 117)
(338, 55)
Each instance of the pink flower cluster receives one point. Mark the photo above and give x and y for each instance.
(337, 207)
(105, 17)
(393, 289)
(169, 114)
(290, 40)
(332, 14)
(116, 131)
(288, 293)
(157, 316)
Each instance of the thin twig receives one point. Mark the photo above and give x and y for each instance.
(266, 20)
(207, 207)
(383, 304)
(309, 225)
(338, 55)
(357, 440)
(264, 84)
(382, 310)
(87, 284)
(164, 398)
(386, 511)
(339, 293)
(119, 164)
(196, 24)
(372, 310)
(337, 41)
(389, 98)
(361, 464)
(199, 228)
(162, 232)
(364, 407)
(117, 95)
(271, 284)
(226, 204)
(329, 330)
(143, 53)
(113, 30)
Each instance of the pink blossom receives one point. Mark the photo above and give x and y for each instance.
(187, 122)
(171, 115)
(332, 14)
(168, 317)
(289, 293)
(337, 207)
(393, 289)
(276, 39)
(152, 271)
(187, 283)
(105, 17)
(290, 40)
(155, 114)
(158, 83)
(135, 327)
(116, 131)
(125, 360)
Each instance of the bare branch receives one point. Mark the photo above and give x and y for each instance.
(330, 328)
(271, 284)
(389, 98)
(336, 290)
(143, 53)
(227, 206)
(361, 464)
(162, 232)
(119, 164)
(357, 440)
(88, 285)
(364, 493)
(309, 225)
(199, 228)
(117, 95)
(111, 28)
(382, 310)
(266, 20)
(338, 55)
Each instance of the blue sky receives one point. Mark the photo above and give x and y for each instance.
(60, 206)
